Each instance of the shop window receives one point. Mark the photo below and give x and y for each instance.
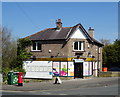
(78, 46)
(36, 46)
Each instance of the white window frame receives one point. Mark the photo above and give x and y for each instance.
(99, 50)
(82, 46)
(36, 47)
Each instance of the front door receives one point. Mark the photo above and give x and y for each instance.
(78, 70)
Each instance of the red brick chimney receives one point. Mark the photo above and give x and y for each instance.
(58, 24)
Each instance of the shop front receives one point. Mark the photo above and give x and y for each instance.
(63, 67)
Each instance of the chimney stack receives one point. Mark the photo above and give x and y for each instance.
(58, 24)
(91, 32)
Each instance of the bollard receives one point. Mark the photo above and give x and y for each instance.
(20, 79)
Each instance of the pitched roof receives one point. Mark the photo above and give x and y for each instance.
(50, 34)
(63, 34)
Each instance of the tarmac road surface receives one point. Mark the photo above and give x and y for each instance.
(93, 86)
(104, 90)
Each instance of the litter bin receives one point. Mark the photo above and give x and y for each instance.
(12, 78)
(104, 69)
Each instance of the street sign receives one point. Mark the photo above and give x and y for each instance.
(78, 60)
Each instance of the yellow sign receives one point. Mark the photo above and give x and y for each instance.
(64, 59)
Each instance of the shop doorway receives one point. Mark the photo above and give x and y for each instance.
(78, 70)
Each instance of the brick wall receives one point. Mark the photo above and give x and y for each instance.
(63, 48)
(58, 48)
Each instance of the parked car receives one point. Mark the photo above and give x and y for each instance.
(114, 69)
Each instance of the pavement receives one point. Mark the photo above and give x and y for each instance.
(66, 84)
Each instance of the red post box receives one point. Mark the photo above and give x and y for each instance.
(20, 74)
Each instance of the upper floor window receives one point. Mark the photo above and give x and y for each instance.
(99, 50)
(78, 46)
(36, 46)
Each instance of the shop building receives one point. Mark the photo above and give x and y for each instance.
(70, 51)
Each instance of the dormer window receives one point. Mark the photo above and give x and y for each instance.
(36, 46)
(78, 46)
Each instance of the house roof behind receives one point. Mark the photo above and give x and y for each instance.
(63, 34)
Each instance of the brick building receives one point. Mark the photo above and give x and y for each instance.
(72, 50)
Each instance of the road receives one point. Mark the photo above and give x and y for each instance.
(101, 86)
(104, 90)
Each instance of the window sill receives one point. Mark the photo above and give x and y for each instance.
(36, 50)
(78, 50)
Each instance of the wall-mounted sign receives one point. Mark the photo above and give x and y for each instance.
(70, 69)
(85, 69)
(38, 69)
(78, 60)
(56, 68)
(64, 69)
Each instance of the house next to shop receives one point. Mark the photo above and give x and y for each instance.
(64, 51)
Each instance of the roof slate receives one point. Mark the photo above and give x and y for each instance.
(63, 34)
(50, 34)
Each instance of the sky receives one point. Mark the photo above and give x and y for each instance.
(26, 18)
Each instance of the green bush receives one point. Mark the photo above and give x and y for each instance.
(4, 73)
(17, 69)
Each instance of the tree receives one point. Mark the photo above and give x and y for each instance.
(9, 48)
(111, 54)
(22, 53)
(116, 47)
(13, 52)
(9, 51)
(104, 57)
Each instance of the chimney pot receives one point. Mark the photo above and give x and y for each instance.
(59, 20)
(58, 24)
(90, 28)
